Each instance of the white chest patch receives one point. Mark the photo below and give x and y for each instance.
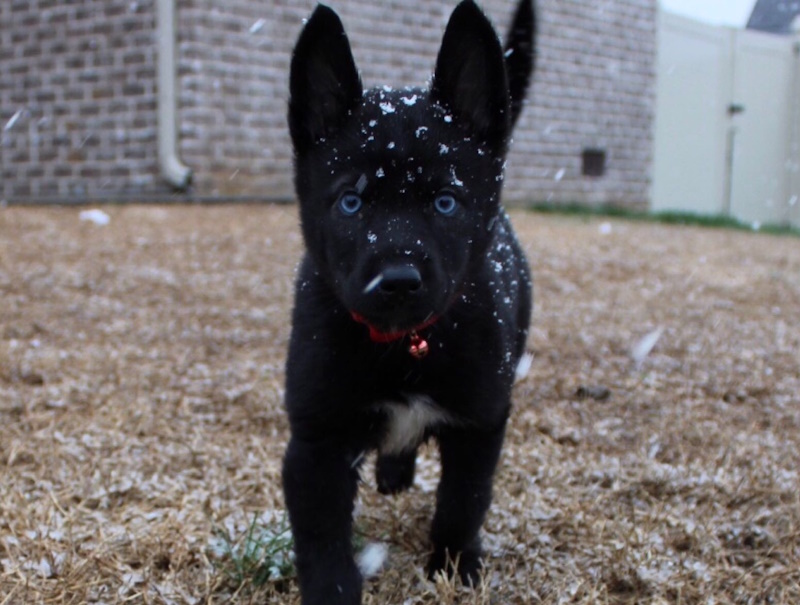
(406, 423)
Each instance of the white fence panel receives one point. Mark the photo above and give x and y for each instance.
(694, 77)
(762, 132)
(727, 122)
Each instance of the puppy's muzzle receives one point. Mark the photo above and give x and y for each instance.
(399, 281)
(395, 298)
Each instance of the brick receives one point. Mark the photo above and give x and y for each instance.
(133, 58)
(48, 187)
(132, 89)
(20, 188)
(104, 92)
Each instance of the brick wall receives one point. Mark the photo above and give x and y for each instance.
(77, 98)
(594, 88)
(80, 79)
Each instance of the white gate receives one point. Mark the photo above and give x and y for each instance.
(727, 135)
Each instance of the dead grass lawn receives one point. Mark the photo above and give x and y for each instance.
(141, 370)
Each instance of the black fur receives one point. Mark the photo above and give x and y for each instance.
(400, 209)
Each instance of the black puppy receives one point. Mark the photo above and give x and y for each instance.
(413, 300)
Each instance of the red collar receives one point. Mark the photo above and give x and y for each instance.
(376, 335)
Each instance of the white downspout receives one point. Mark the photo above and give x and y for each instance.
(172, 168)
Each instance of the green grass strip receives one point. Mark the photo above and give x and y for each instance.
(667, 217)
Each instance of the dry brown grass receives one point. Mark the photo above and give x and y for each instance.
(140, 413)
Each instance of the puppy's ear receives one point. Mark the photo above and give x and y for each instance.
(470, 77)
(520, 55)
(324, 85)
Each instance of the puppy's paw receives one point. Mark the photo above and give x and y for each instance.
(395, 473)
(467, 564)
(330, 586)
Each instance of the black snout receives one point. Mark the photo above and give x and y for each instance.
(400, 280)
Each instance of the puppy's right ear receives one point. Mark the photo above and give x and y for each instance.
(324, 85)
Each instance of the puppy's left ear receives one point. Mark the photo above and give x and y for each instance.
(470, 77)
(324, 85)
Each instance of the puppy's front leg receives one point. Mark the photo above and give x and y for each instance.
(395, 472)
(469, 458)
(320, 482)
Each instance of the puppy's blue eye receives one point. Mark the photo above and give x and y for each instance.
(445, 204)
(350, 204)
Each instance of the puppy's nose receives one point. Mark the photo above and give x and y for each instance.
(400, 279)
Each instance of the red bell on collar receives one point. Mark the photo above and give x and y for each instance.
(418, 346)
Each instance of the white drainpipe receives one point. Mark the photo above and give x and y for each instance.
(173, 169)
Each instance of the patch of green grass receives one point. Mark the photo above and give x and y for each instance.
(264, 553)
(669, 217)
(260, 556)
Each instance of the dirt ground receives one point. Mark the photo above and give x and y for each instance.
(141, 370)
